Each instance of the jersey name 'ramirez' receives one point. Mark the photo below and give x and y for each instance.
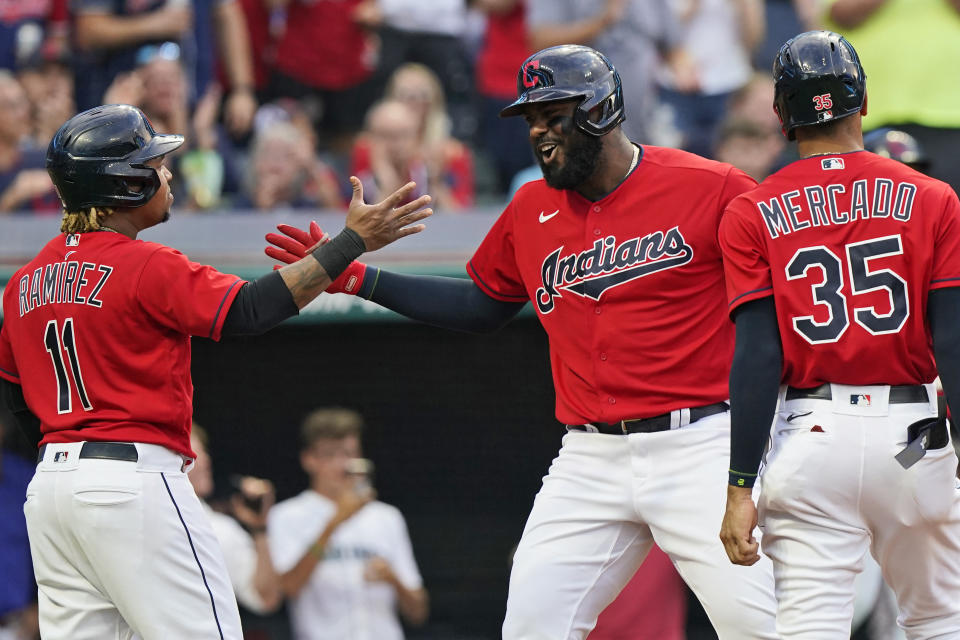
(820, 205)
(68, 282)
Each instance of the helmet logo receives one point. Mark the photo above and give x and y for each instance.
(533, 76)
(822, 102)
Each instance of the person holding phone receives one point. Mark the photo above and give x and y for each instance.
(242, 537)
(345, 559)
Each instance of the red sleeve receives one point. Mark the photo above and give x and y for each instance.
(494, 265)
(946, 248)
(746, 268)
(185, 296)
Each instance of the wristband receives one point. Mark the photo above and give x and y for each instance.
(336, 255)
(738, 479)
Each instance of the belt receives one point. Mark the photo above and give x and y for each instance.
(104, 451)
(899, 394)
(663, 422)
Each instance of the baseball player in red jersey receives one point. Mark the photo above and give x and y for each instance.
(616, 248)
(842, 270)
(95, 345)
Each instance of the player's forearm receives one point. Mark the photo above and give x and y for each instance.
(414, 604)
(851, 13)
(754, 387)
(265, 578)
(450, 303)
(305, 279)
(259, 306)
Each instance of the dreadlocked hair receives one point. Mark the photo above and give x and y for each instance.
(81, 221)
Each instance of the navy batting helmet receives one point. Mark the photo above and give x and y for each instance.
(897, 145)
(818, 79)
(570, 71)
(98, 158)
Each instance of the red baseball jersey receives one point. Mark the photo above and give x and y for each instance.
(628, 288)
(96, 329)
(849, 246)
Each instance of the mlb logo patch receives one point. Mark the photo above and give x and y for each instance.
(73, 240)
(860, 399)
(831, 163)
(61, 456)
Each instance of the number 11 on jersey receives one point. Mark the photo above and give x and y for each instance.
(52, 342)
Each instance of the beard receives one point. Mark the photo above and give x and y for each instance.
(581, 159)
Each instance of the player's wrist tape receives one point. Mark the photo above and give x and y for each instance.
(336, 255)
(738, 479)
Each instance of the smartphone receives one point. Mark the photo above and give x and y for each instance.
(362, 470)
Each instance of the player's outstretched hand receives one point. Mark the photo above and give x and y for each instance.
(388, 220)
(296, 243)
(739, 521)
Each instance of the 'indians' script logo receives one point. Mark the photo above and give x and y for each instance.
(606, 265)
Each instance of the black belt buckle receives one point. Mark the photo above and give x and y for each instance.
(922, 436)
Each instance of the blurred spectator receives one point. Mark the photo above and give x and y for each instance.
(224, 56)
(325, 58)
(224, 24)
(243, 538)
(109, 35)
(652, 606)
(390, 153)
(504, 50)
(49, 88)
(449, 162)
(904, 44)
(785, 19)
(18, 591)
(24, 183)
(630, 33)
(31, 30)
(283, 171)
(718, 35)
(754, 102)
(345, 559)
(750, 147)
(430, 33)
(159, 86)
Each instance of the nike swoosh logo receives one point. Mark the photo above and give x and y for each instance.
(794, 416)
(68, 254)
(544, 218)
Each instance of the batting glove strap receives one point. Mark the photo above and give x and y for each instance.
(336, 255)
(740, 479)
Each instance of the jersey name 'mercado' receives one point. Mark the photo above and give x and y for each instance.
(608, 264)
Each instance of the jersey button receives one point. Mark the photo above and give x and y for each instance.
(596, 232)
(612, 400)
(603, 357)
(596, 209)
(597, 311)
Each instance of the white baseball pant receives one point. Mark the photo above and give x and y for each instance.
(124, 550)
(832, 490)
(604, 501)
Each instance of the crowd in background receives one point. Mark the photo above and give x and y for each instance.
(282, 100)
